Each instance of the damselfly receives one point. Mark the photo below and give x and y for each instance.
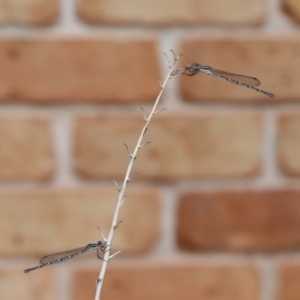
(243, 80)
(55, 258)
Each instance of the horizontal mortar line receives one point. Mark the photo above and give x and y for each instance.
(81, 30)
(178, 187)
(173, 255)
(135, 107)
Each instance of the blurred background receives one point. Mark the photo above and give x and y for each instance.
(214, 212)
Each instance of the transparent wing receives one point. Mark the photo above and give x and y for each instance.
(59, 255)
(248, 80)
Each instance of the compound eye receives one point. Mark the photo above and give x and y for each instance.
(196, 67)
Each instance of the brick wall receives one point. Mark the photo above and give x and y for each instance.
(214, 213)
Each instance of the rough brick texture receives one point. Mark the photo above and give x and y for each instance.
(182, 145)
(173, 281)
(29, 12)
(289, 143)
(254, 56)
(15, 285)
(215, 207)
(240, 221)
(78, 70)
(292, 7)
(26, 148)
(69, 219)
(167, 12)
(288, 281)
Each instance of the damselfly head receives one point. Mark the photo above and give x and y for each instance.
(196, 67)
(100, 243)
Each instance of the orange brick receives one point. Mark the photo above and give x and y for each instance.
(272, 59)
(172, 281)
(292, 7)
(14, 284)
(288, 281)
(58, 220)
(184, 145)
(72, 70)
(29, 12)
(289, 143)
(26, 151)
(168, 12)
(240, 221)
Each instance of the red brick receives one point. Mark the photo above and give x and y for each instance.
(292, 7)
(240, 221)
(172, 281)
(288, 281)
(26, 151)
(29, 12)
(272, 59)
(184, 145)
(15, 285)
(58, 220)
(70, 70)
(289, 143)
(245, 12)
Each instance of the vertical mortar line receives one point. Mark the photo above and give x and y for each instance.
(168, 40)
(62, 133)
(63, 283)
(168, 221)
(270, 170)
(276, 19)
(68, 14)
(268, 278)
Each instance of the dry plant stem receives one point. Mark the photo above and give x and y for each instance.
(121, 189)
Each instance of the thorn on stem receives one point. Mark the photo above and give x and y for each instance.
(131, 177)
(117, 225)
(179, 56)
(113, 255)
(140, 147)
(118, 187)
(160, 84)
(157, 112)
(176, 57)
(128, 152)
(145, 118)
(169, 64)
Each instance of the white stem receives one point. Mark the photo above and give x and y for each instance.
(120, 200)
